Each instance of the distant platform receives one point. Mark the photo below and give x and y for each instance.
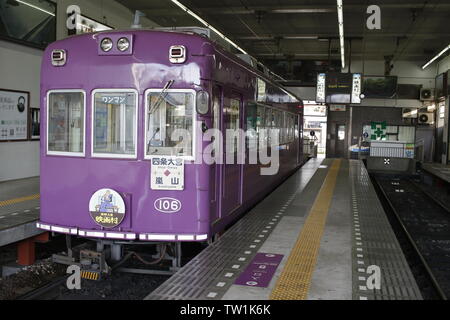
(439, 170)
(322, 234)
(19, 210)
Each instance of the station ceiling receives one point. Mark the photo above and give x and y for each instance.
(281, 30)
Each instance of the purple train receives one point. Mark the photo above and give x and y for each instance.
(111, 104)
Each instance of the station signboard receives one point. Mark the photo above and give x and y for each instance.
(167, 173)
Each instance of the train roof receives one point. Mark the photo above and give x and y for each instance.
(199, 33)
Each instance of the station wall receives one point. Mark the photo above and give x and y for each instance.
(408, 72)
(20, 67)
(20, 70)
(443, 65)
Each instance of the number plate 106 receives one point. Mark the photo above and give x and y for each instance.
(167, 205)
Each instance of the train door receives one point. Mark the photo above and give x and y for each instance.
(215, 174)
(231, 170)
(340, 140)
(336, 144)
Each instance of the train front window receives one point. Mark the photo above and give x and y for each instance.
(65, 123)
(114, 124)
(169, 123)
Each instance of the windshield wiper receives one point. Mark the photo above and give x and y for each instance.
(160, 97)
(149, 145)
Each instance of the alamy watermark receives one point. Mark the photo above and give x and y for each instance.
(72, 12)
(235, 146)
(74, 280)
(374, 20)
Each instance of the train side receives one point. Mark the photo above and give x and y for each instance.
(99, 151)
(235, 79)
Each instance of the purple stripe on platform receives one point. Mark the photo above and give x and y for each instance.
(260, 270)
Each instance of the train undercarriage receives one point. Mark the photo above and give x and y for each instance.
(98, 258)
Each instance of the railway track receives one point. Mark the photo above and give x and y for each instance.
(120, 284)
(117, 285)
(46, 291)
(425, 223)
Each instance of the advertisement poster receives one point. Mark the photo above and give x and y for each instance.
(13, 115)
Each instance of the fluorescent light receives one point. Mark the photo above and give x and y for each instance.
(36, 7)
(436, 57)
(301, 10)
(341, 31)
(206, 24)
(300, 37)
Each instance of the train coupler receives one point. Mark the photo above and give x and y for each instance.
(93, 264)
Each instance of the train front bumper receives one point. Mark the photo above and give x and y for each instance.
(115, 235)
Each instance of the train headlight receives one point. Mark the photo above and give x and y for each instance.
(106, 44)
(123, 44)
(202, 102)
(177, 54)
(59, 57)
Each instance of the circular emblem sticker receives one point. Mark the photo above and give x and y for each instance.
(107, 208)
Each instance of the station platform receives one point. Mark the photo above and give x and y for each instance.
(19, 210)
(322, 234)
(438, 169)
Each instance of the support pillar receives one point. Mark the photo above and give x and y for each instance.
(26, 253)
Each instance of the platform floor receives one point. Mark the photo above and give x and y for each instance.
(438, 169)
(19, 210)
(330, 228)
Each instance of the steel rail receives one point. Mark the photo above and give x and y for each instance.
(39, 292)
(413, 244)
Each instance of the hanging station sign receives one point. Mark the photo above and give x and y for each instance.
(337, 107)
(336, 87)
(317, 110)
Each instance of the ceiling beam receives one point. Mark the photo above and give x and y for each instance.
(337, 54)
(350, 35)
(277, 9)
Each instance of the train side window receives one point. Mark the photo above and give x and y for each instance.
(66, 122)
(216, 109)
(114, 123)
(169, 123)
(251, 116)
(252, 125)
(268, 121)
(232, 121)
(277, 125)
(268, 118)
(284, 133)
(290, 127)
(296, 128)
(260, 121)
(259, 118)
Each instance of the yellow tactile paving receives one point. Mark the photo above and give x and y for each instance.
(17, 200)
(295, 279)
